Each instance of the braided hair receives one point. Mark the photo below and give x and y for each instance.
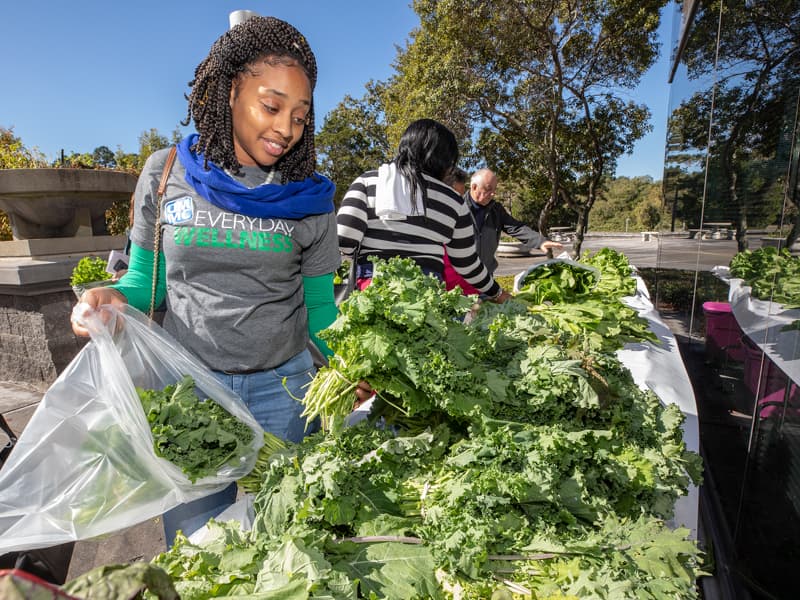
(257, 39)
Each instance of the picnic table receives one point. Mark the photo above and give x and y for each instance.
(718, 230)
(721, 230)
(562, 234)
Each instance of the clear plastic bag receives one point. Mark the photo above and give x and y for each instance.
(85, 466)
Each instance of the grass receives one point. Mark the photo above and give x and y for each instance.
(506, 281)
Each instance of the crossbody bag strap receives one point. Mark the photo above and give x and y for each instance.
(351, 283)
(343, 292)
(162, 188)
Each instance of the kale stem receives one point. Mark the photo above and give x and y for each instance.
(392, 404)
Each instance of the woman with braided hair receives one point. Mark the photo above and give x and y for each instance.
(244, 234)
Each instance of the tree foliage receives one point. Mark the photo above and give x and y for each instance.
(15, 155)
(76, 160)
(150, 141)
(104, 157)
(119, 215)
(126, 161)
(630, 204)
(537, 84)
(353, 139)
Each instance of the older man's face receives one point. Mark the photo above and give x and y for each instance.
(482, 191)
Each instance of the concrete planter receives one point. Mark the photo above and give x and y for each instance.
(56, 216)
(54, 203)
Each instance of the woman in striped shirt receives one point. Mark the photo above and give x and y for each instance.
(405, 209)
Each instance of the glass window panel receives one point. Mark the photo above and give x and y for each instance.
(731, 186)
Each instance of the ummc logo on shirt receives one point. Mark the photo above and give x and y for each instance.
(180, 210)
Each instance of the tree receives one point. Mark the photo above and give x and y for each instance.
(629, 204)
(149, 142)
(75, 160)
(118, 215)
(649, 215)
(103, 157)
(14, 154)
(126, 161)
(353, 139)
(683, 178)
(176, 136)
(537, 84)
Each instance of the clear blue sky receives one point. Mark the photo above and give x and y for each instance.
(78, 75)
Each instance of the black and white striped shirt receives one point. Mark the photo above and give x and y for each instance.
(446, 223)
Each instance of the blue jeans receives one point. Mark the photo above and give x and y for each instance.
(272, 405)
(270, 402)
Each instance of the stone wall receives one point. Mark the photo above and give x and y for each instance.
(36, 340)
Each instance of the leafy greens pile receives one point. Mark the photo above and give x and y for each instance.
(199, 437)
(508, 457)
(88, 270)
(595, 313)
(772, 274)
(558, 281)
(404, 334)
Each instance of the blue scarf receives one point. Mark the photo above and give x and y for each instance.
(295, 200)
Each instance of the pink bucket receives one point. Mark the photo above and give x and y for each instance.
(723, 334)
(761, 379)
(771, 405)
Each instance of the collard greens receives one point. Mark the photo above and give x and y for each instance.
(200, 437)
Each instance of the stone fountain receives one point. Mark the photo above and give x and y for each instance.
(57, 217)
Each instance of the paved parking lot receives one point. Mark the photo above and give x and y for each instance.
(669, 251)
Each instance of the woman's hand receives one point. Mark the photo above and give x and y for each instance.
(364, 392)
(91, 300)
(501, 297)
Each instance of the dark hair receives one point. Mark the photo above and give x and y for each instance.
(429, 147)
(456, 175)
(256, 39)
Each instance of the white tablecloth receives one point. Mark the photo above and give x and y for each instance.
(660, 368)
(764, 323)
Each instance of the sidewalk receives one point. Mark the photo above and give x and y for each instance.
(18, 402)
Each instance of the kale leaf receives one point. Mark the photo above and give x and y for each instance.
(200, 437)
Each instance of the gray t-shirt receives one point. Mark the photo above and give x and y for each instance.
(234, 283)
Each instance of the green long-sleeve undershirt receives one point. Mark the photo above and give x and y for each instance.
(321, 307)
(136, 286)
